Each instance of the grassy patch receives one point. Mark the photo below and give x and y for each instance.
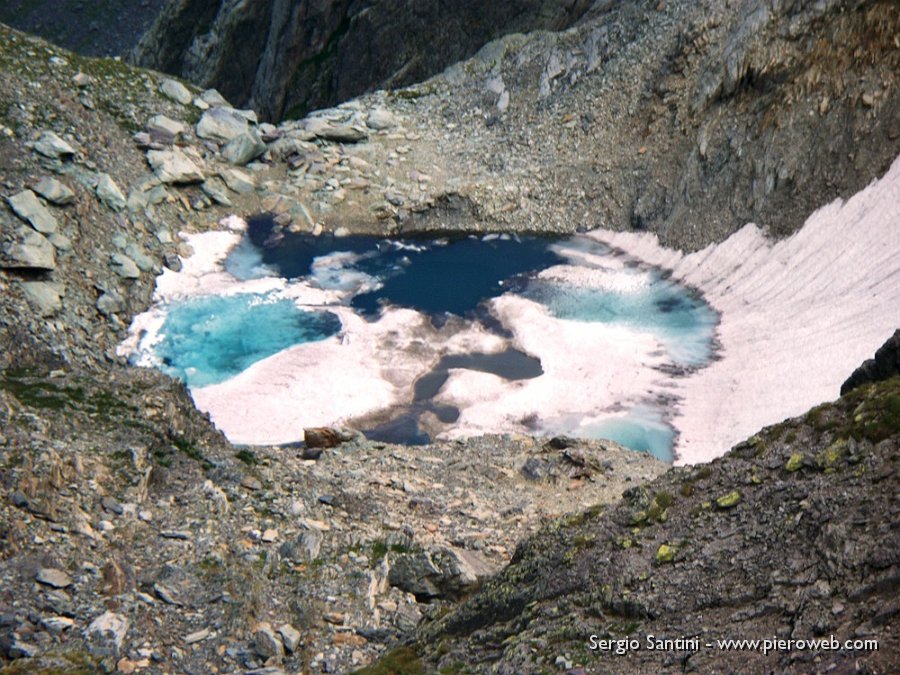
(401, 661)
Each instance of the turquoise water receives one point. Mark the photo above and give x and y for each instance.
(642, 429)
(210, 339)
(682, 322)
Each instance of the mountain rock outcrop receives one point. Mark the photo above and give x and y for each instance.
(792, 536)
(108, 28)
(290, 56)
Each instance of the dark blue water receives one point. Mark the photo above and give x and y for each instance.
(435, 276)
(213, 338)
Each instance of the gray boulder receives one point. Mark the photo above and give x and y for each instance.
(174, 167)
(445, 572)
(221, 125)
(124, 266)
(29, 250)
(105, 635)
(44, 296)
(244, 148)
(52, 146)
(54, 191)
(164, 129)
(28, 207)
(109, 193)
(175, 91)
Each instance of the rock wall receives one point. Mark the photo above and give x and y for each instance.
(286, 57)
(107, 28)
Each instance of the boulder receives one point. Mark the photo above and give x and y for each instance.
(109, 193)
(52, 146)
(238, 181)
(106, 634)
(221, 125)
(29, 250)
(174, 90)
(344, 133)
(174, 167)
(380, 119)
(445, 572)
(244, 148)
(28, 207)
(44, 296)
(321, 437)
(124, 266)
(164, 129)
(54, 191)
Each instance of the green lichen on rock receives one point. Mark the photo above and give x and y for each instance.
(795, 462)
(729, 501)
(829, 457)
(665, 553)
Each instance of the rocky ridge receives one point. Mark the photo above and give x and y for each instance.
(688, 119)
(792, 535)
(307, 55)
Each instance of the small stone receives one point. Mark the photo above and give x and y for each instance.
(109, 193)
(112, 506)
(238, 181)
(342, 134)
(19, 499)
(290, 636)
(197, 636)
(52, 146)
(175, 91)
(110, 303)
(251, 483)
(28, 207)
(215, 189)
(21, 650)
(166, 595)
(270, 535)
(868, 100)
(82, 79)
(55, 578)
(380, 118)
(182, 535)
(54, 191)
(267, 643)
(213, 98)
(57, 624)
(106, 634)
(124, 266)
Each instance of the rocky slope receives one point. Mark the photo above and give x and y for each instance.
(792, 535)
(689, 119)
(290, 57)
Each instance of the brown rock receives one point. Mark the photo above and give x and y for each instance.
(321, 437)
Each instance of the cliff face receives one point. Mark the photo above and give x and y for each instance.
(107, 28)
(286, 57)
